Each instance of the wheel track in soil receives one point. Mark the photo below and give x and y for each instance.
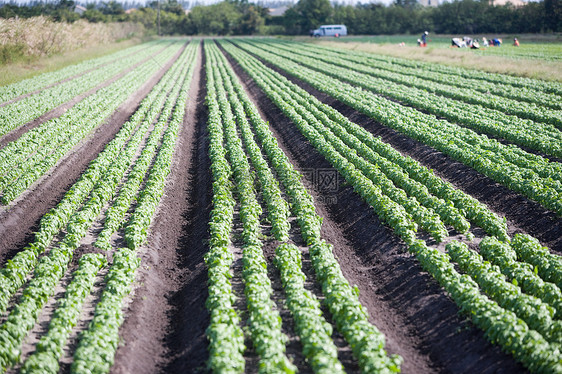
(164, 328)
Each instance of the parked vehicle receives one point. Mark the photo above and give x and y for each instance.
(329, 30)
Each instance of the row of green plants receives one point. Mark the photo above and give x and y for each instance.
(278, 209)
(390, 211)
(534, 111)
(549, 87)
(453, 206)
(48, 273)
(380, 171)
(264, 321)
(448, 138)
(49, 349)
(72, 127)
(308, 317)
(441, 106)
(398, 210)
(524, 132)
(527, 94)
(99, 182)
(158, 109)
(33, 106)
(148, 199)
(502, 326)
(23, 152)
(538, 315)
(226, 338)
(342, 300)
(99, 342)
(314, 332)
(13, 275)
(548, 265)
(15, 90)
(521, 273)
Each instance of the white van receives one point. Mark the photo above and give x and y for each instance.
(329, 30)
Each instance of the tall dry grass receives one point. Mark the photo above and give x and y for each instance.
(40, 36)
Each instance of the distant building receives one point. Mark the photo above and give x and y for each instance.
(79, 9)
(517, 3)
(129, 11)
(278, 12)
(429, 2)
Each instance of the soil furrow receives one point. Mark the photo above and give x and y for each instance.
(420, 322)
(164, 328)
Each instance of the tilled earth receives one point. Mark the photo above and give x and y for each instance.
(166, 318)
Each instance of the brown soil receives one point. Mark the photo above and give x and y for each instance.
(165, 326)
(420, 322)
(165, 322)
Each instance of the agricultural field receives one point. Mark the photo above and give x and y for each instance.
(265, 205)
(532, 46)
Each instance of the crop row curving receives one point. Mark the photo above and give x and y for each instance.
(479, 152)
(524, 132)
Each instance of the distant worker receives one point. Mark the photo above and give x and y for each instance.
(458, 43)
(484, 42)
(515, 42)
(424, 39)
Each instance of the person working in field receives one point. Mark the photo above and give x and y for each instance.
(424, 39)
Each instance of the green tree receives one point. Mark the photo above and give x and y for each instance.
(553, 14)
(217, 19)
(312, 13)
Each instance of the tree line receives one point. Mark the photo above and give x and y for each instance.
(241, 17)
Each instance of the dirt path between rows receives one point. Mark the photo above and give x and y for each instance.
(21, 218)
(420, 322)
(164, 329)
